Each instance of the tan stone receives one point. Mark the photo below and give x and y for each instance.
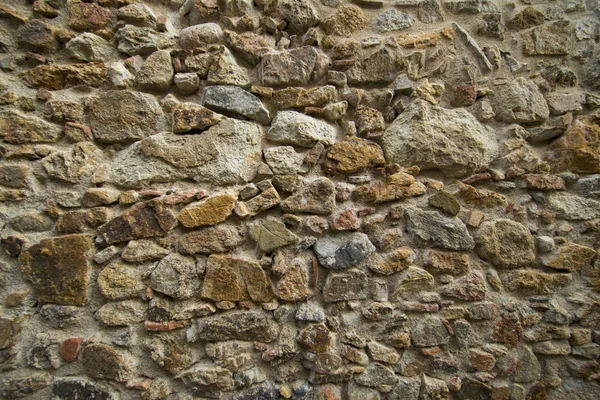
(293, 286)
(117, 282)
(317, 338)
(480, 197)
(353, 154)
(60, 76)
(19, 128)
(446, 262)
(190, 116)
(396, 261)
(396, 187)
(544, 182)
(578, 150)
(294, 97)
(570, 257)
(211, 211)
(345, 21)
(506, 243)
(481, 360)
(534, 282)
(264, 201)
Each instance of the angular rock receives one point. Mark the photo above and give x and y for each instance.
(237, 325)
(189, 117)
(210, 211)
(299, 15)
(439, 231)
(60, 76)
(58, 269)
(548, 40)
(471, 7)
(506, 243)
(224, 70)
(446, 262)
(572, 207)
(176, 276)
(88, 16)
(216, 239)
(236, 101)
(81, 161)
(156, 73)
(534, 282)
(104, 362)
(90, 47)
(271, 234)
(378, 376)
(187, 82)
(117, 282)
(235, 279)
(528, 367)
(295, 67)
(139, 251)
(412, 279)
(79, 388)
(291, 127)
(393, 20)
(316, 337)
(578, 150)
(122, 313)
(17, 386)
(407, 388)
(343, 250)
(293, 286)
(208, 379)
(431, 331)
(570, 257)
(345, 21)
(134, 40)
(552, 348)
(296, 97)
(36, 35)
(14, 175)
(172, 355)
(377, 68)
(139, 14)
(397, 186)
(520, 101)
(283, 159)
(468, 288)
(121, 116)
(315, 197)
(200, 35)
(264, 201)
(432, 137)
(19, 128)
(397, 261)
(347, 285)
(353, 154)
(249, 45)
(544, 182)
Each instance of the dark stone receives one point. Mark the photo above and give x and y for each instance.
(237, 325)
(80, 389)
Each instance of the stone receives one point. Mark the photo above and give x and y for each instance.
(293, 285)
(73, 165)
(578, 150)
(249, 45)
(397, 186)
(224, 70)
(335, 111)
(345, 285)
(587, 187)
(271, 234)
(548, 40)
(208, 379)
(345, 21)
(79, 221)
(58, 269)
(382, 353)
(216, 239)
(376, 68)
(170, 355)
(32, 222)
(393, 20)
(299, 15)
(296, 97)
(237, 325)
(520, 101)
(72, 388)
(60, 76)
(562, 103)
(412, 279)
(397, 261)
(200, 35)
(94, 197)
(295, 67)
(353, 154)
(316, 337)
(88, 16)
(343, 250)
(190, 117)
(315, 197)
(506, 243)
(36, 35)
(433, 137)
(139, 251)
(104, 362)
(438, 231)
(18, 385)
(187, 83)
(19, 128)
(570, 257)
(237, 102)
(291, 127)
(121, 116)
(534, 282)
(256, 205)
(134, 40)
(431, 331)
(143, 221)
(311, 312)
(14, 175)
(544, 182)
(283, 159)
(138, 14)
(552, 348)
(407, 388)
(572, 207)
(121, 313)
(378, 376)
(90, 47)
(176, 276)
(119, 76)
(118, 281)
(209, 211)
(470, 287)
(156, 73)
(446, 262)
(445, 202)
(235, 279)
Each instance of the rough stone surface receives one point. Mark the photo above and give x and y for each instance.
(343, 251)
(237, 101)
(291, 127)
(176, 276)
(520, 101)
(506, 243)
(210, 211)
(439, 231)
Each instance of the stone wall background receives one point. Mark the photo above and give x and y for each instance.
(299, 199)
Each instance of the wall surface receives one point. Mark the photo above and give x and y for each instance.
(307, 199)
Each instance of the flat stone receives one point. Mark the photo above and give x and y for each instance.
(299, 15)
(138, 14)
(587, 187)
(122, 116)
(235, 279)
(471, 7)
(19, 128)
(393, 20)
(346, 285)
(32, 222)
(439, 231)
(271, 234)
(139, 251)
(121, 313)
(376, 68)
(237, 325)
(352, 155)
(171, 354)
(224, 70)
(190, 116)
(345, 21)
(60, 76)
(446, 262)
(578, 150)
(296, 97)
(506, 244)
(137, 40)
(397, 186)
(432, 137)
(378, 376)
(15, 386)
(520, 101)
(295, 67)
(572, 207)
(88, 16)
(412, 279)
(283, 159)
(431, 331)
(468, 288)
(14, 175)
(544, 182)
(249, 45)
(148, 220)
(291, 127)
(256, 205)
(552, 348)
(208, 379)
(90, 47)
(201, 35)
(209, 211)
(58, 269)
(105, 362)
(315, 197)
(216, 239)
(176, 276)
(548, 40)
(534, 282)
(570, 257)
(236, 101)
(156, 73)
(72, 388)
(118, 282)
(343, 250)
(293, 285)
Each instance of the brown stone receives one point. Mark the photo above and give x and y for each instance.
(571, 257)
(506, 243)
(368, 120)
(235, 279)
(480, 197)
(295, 97)
(58, 269)
(141, 221)
(216, 239)
(446, 262)
(88, 16)
(104, 362)
(345, 21)
(210, 211)
(117, 282)
(264, 201)
(534, 282)
(353, 154)
(19, 128)
(418, 41)
(79, 221)
(189, 116)
(464, 95)
(293, 286)
(60, 76)
(396, 187)
(544, 182)
(37, 35)
(317, 338)
(396, 261)
(508, 330)
(69, 349)
(446, 202)
(578, 150)
(527, 18)
(468, 288)
(14, 175)
(316, 197)
(481, 360)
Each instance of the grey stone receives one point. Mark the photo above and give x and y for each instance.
(312, 312)
(75, 164)
(17, 385)
(201, 35)
(393, 20)
(572, 207)
(407, 388)
(471, 7)
(215, 239)
(587, 350)
(295, 67)
(545, 244)
(237, 325)
(283, 159)
(345, 285)
(520, 101)
(562, 103)
(506, 243)
(344, 250)
(156, 73)
(291, 127)
(137, 14)
(433, 137)
(528, 367)
(187, 82)
(299, 14)
(90, 47)
(121, 313)
(552, 348)
(357, 392)
(119, 76)
(439, 231)
(378, 376)
(429, 332)
(139, 251)
(403, 85)
(176, 276)
(133, 40)
(20, 128)
(588, 186)
(237, 101)
(378, 67)
(271, 234)
(121, 116)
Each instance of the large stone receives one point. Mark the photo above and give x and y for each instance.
(283, 160)
(70, 388)
(142, 221)
(136, 40)
(572, 207)
(520, 101)
(345, 285)
(570, 257)
(235, 279)
(271, 234)
(122, 116)
(439, 231)
(200, 35)
(58, 269)
(378, 376)
(190, 117)
(224, 70)
(237, 325)
(249, 45)
(548, 40)
(535, 282)
(14, 386)
(315, 197)
(393, 20)
(90, 47)
(156, 73)
(528, 367)
(105, 362)
(467, 288)
(299, 15)
(84, 16)
(431, 331)
(377, 68)
(295, 67)
(72, 165)
(19, 128)
(118, 281)
(216, 239)
(293, 286)
(208, 379)
(353, 154)
(37, 35)
(209, 211)
(176, 276)
(291, 127)
(345, 21)
(578, 150)
(432, 137)
(343, 250)
(506, 243)
(236, 101)
(60, 76)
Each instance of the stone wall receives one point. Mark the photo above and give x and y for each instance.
(307, 199)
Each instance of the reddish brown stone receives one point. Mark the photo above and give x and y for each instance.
(344, 221)
(317, 338)
(105, 362)
(578, 150)
(164, 326)
(88, 16)
(508, 330)
(56, 77)
(544, 182)
(69, 349)
(464, 95)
